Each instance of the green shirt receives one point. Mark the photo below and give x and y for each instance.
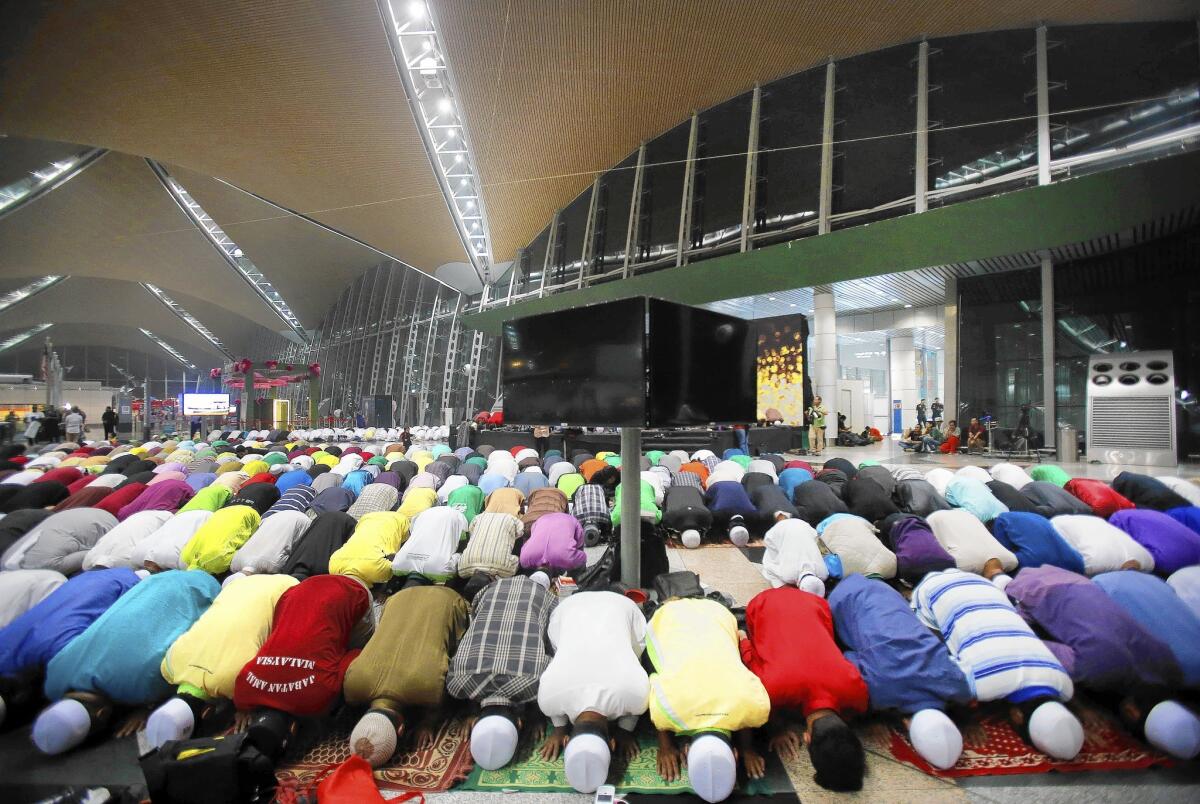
(818, 414)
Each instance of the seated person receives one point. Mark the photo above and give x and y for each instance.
(403, 666)
(907, 669)
(596, 676)
(509, 618)
(977, 436)
(116, 660)
(1001, 655)
(789, 645)
(701, 688)
(950, 439)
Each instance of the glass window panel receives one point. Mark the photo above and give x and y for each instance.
(569, 250)
(720, 178)
(977, 82)
(532, 263)
(1000, 348)
(875, 140)
(612, 216)
(789, 159)
(1144, 74)
(662, 195)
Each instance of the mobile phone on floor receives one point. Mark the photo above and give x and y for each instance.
(605, 794)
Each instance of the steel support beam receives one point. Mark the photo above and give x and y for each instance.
(551, 245)
(750, 190)
(589, 234)
(688, 192)
(631, 508)
(1043, 109)
(635, 210)
(921, 158)
(825, 208)
(1049, 416)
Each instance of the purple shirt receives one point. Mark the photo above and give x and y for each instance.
(1096, 640)
(555, 541)
(169, 495)
(917, 550)
(1173, 544)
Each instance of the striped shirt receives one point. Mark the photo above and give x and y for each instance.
(297, 498)
(687, 479)
(590, 506)
(375, 497)
(998, 652)
(490, 547)
(503, 654)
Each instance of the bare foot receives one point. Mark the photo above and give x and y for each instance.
(132, 724)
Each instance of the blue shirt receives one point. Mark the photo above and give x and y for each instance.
(529, 482)
(491, 481)
(729, 498)
(1154, 604)
(36, 637)
(296, 477)
(790, 478)
(356, 481)
(120, 653)
(906, 667)
(1035, 542)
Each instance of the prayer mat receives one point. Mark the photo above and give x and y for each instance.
(435, 770)
(992, 747)
(528, 772)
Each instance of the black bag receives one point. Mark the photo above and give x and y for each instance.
(210, 770)
(677, 584)
(599, 576)
(654, 555)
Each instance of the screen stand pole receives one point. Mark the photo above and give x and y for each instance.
(631, 508)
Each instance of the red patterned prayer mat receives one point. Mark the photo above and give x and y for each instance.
(992, 746)
(435, 770)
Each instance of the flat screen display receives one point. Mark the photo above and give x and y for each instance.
(701, 367)
(584, 366)
(206, 404)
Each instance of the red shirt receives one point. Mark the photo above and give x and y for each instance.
(792, 651)
(300, 667)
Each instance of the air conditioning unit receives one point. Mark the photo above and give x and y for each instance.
(1131, 408)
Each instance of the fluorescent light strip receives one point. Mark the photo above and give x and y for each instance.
(28, 291)
(429, 84)
(188, 318)
(21, 337)
(233, 255)
(166, 347)
(41, 181)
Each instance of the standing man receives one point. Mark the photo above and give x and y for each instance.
(109, 420)
(74, 426)
(936, 410)
(921, 413)
(816, 418)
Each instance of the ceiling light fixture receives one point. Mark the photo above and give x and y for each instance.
(24, 292)
(189, 319)
(168, 348)
(234, 256)
(24, 335)
(420, 57)
(44, 179)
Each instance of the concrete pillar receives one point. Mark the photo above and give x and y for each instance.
(902, 357)
(825, 357)
(950, 351)
(1048, 326)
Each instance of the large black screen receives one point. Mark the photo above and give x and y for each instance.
(701, 367)
(584, 366)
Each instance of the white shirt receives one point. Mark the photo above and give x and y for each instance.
(431, 549)
(164, 546)
(598, 639)
(966, 539)
(21, 590)
(1184, 488)
(792, 552)
(74, 423)
(1185, 582)
(270, 546)
(115, 548)
(1104, 547)
(940, 479)
(1011, 474)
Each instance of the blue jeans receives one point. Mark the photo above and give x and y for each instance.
(743, 440)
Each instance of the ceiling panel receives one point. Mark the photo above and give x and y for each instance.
(116, 220)
(295, 100)
(553, 92)
(117, 336)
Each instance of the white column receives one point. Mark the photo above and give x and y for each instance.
(825, 357)
(903, 378)
(1043, 108)
(950, 325)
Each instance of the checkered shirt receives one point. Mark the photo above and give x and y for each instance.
(590, 506)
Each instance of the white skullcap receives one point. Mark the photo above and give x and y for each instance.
(1055, 731)
(373, 738)
(1174, 729)
(171, 721)
(493, 742)
(812, 584)
(586, 762)
(936, 738)
(541, 579)
(690, 538)
(142, 574)
(61, 726)
(711, 767)
(739, 536)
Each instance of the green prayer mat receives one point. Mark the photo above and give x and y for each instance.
(528, 772)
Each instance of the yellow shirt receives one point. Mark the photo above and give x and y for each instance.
(700, 683)
(366, 555)
(206, 660)
(211, 548)
(416, 501)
